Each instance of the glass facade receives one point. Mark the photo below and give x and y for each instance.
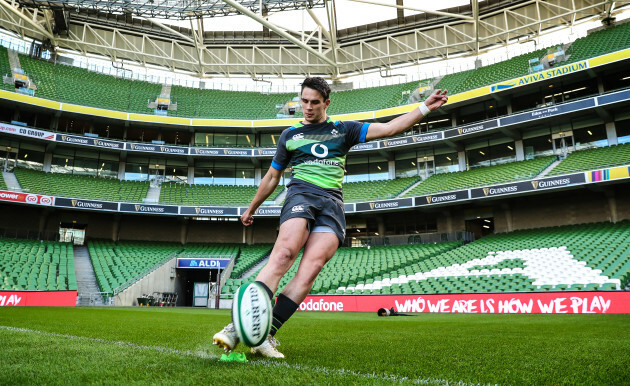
(623, 131)
(366, 168)
(269, 139)
(490, 154)
(589, 137)
(84, 162)
(225, 173)
(446, 162)
(210, 139)
(31, 156)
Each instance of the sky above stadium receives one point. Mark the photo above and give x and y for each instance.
(349, 14)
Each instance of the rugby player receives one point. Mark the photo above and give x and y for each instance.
(312, 216)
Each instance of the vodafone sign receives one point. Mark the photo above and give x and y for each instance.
(35, 199)
(38, 298)
(600, 302)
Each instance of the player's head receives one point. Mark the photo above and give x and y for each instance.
(315, 99)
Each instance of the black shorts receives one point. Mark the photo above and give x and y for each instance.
(318, 210)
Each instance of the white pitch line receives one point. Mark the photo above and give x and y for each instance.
(114, 342)
(263, 362)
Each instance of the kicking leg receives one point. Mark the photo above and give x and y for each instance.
(319, 249)
(292, 236)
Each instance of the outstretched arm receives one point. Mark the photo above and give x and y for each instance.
(406, 121)
(267, 186)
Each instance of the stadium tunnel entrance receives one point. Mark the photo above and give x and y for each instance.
(480, 227)
(72, 233)
(186, 278)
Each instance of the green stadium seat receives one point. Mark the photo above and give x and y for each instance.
(36, 265)
(80, 186)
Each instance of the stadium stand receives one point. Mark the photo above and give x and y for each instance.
(187, 101)
(76, 85)
(118, 264)
(43, 74)
(600, 42)
(36, 265)
(593, 158)
(78, 186)
(376, 190)
(542, 259)
(207, 103)
(178, 194)
(486, 75)
(356, 266)
(141, 94)
(576, 257)
(3, 184)
(250, 255)
(115, 265)
(86, 88)
(5, 68)
(368, 99)
(225, 250)
(481, 176)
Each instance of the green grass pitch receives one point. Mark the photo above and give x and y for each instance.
(172, 345)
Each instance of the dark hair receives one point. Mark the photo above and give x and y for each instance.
(319, 84)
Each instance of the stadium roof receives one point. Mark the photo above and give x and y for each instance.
(167, 9)
(130, 31)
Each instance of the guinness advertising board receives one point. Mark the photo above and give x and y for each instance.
(267, 211)
(86, 204)
(142, 147)
(558, 182)
(206, 151)
(108, 144)
(429, 137)
(396, 142)
(157, 148)
(440, 198)
(348, 208)
(74, 139)
(204, 211)
(548, 112)
(269, 152)
(221, 152)
(386, 204)
(365, 146)
(142, 208)
(236, 152)
(474, 128)
(528, 186)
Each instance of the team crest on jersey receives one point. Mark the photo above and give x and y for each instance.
(299, 136)
(334, 132)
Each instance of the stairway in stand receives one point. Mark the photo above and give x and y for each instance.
(87, 287)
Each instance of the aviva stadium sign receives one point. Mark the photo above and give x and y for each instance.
(542, 75)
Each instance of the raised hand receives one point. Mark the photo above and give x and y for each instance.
(436, 100)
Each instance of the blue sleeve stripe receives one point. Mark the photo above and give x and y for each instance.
(364, 130)
(277, 166)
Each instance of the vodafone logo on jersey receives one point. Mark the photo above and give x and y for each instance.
(319, 150)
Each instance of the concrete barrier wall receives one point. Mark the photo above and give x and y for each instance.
(159, 280)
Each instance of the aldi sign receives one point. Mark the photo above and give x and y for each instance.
(202, 263)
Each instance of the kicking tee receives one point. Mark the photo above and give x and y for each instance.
(317, 155)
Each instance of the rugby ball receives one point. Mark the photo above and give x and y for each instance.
(252, 314)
